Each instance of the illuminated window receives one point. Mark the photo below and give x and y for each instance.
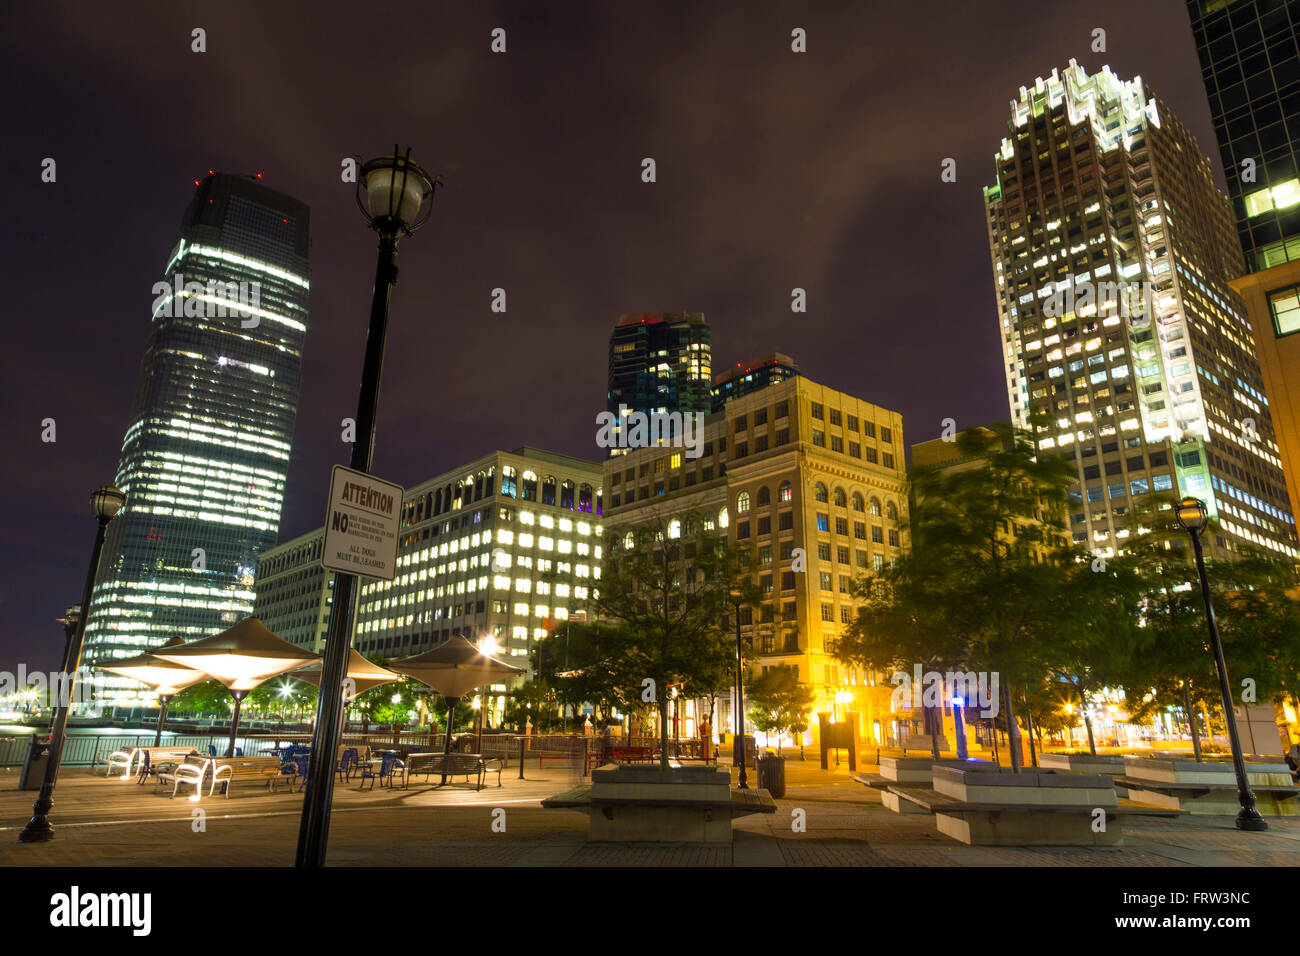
(1285, 306)
(742, 502)
(786, 492)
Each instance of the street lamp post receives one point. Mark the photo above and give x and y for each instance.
(69, 621)
(397, 192)
(1192, 516)
(738, 747)
(105, 502)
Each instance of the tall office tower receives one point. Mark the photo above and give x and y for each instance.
(792, 466)
(207, 447)
(751, 376)
(659, 362)
(1251, 66)
(1112, 251)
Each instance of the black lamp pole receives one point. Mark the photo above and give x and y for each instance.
(1191, 513)
(738, 747)
(391, 223)
(106, 502)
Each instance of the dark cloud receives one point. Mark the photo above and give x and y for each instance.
(775, 170)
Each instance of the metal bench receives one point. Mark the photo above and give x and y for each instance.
(454, 765)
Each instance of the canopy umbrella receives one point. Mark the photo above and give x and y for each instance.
(453, 669)
(241, 657)
(161, 676)
(361, 676)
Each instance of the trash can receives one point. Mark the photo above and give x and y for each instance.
(38, 755)
(771, 775)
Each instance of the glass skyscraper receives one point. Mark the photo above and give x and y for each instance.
(207, 446)
(1250, 62)
(660, 362)
(1112, 251)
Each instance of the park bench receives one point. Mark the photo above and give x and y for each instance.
(1209, 787)
(267, 770)
(632, 754)
(454, 765)
(192, 770)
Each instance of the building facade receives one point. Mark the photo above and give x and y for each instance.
(1250, 61)
(812, 481)
(294, 591)
(505, 547)
(1112, 250)
(207, 446)
(659, 362)
(751, 376)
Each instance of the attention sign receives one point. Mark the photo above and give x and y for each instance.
(361, 524)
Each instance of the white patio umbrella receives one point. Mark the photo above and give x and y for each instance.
(453, 669)
(241, 657)
(163, 677)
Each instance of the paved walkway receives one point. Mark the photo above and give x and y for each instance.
(107, 822)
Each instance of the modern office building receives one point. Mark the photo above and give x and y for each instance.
(506, 547)
(751, 376)
(796, 465)
(294, 591)
(1250, 62)
(207, 446)
(659, 362)
(1112, 250)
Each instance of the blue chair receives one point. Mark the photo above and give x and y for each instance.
(388, 767)
(239, 751)
(348, 765)
(212, 750)
(300, 762)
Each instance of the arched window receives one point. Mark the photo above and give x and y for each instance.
(819, 491)
(529, 491)
(600, 497)
(764, 496)
(891, 512)
(840, 499)
(785, 492)
(874, 506)
(857, 502)
(584, 498)
(742, 502)
(478, 486)
(629, 541)
(548, 490)
(509, 486)
(723, 519)
(566, 494)
(459, 498)
(674, 529)
(437, 502)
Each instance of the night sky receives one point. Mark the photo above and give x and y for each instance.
(775, 170)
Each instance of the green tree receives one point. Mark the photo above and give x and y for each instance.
(666, 585)
(206, 698)
(779, 703)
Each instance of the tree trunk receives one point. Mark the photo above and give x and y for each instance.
(663, 732)
(1029, 727)
(1191, 722)
(1013, 731)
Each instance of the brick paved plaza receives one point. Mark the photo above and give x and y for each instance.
(108, 822)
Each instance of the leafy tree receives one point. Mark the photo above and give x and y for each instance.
(207, 697)
(666, 587)
(779, 703)
(987, 581)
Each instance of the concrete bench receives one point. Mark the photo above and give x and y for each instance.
(266, 770)
(649, 805)
(920, 770)
(1209, 788)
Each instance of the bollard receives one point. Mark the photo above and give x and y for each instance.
(522, 742)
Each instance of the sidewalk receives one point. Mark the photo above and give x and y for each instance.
(105, 822)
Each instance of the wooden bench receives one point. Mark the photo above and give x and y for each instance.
(632, 754)
(454, 765)
(192, 770)
(266, 769)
